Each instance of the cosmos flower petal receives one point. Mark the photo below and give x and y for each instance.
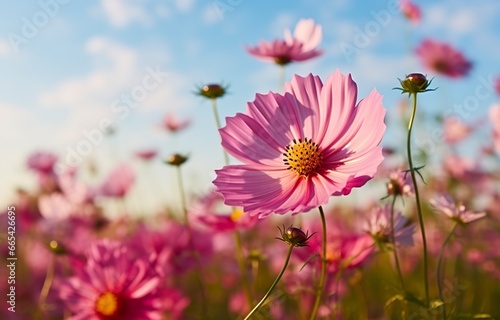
(307, 92)
(309, 33)
(307, 126)
(338, 98)
(245, 138)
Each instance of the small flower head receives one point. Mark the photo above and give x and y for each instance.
(399, 184)
(497, 85)
(414, 83)
(300, 46)
(443, 59)
(411, 11)
(57, 248)
(455, 211)
(379, 228)
(146, 154)
(294, 236)
(212, 91)
(176, 159)
(172, 124)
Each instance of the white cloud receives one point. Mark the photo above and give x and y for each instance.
(5, 48)
(468, 18)
(211, 14)
(184, 5)
(123, 12)
(118, 65)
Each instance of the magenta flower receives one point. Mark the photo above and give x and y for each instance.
(300, 148)
(379, 227)
(455, 130)
(205, 211)
(443, 59)
(112, 285)
(345, 248)
(118, 182)
(497, 85)
(456, 212)
(172, 124)
(400, 184)
(42, 162)
(494, 114)
(299, 47)
(411, 11)
(146, 154)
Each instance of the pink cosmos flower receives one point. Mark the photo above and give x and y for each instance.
(42, 162)
(172, 124)
(457, 212)
(379, 227)
(411, 11)
(299, 47)
(494, 114)
(400, 184)
(300, 148)
(205, 211)
(455, 130)
(345, 248)
(112, 285)
(443, 59)
(146, 154)
(119, 181)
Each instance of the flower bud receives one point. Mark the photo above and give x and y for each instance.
(57, 247)
(212, 91)
(294, 236)
(176, 159)
(415, 83)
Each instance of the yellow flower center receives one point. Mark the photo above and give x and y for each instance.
(303, 157)
(332, 255)
(236, 214)
(107, 304)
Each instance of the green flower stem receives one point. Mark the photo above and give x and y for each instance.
(199, 270)
(396, 259)
(241, 263)
(261, 302)
(438, 268)
(47, 284)
(239, 248)
(417, 199)
(281, 84)
(217, 122)
(319, 290)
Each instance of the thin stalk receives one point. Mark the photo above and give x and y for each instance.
(396, 259)
(268, 293)
(281, 84)
(319, 290)
(241, 263)
(438, 268)
(191, 243)
(417, 199)
(47, 284)
(217, 122)
(239, 248)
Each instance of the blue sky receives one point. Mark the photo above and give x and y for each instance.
(64, 64)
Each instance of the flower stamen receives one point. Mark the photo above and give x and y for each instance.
(303, 157)
(107, 304)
